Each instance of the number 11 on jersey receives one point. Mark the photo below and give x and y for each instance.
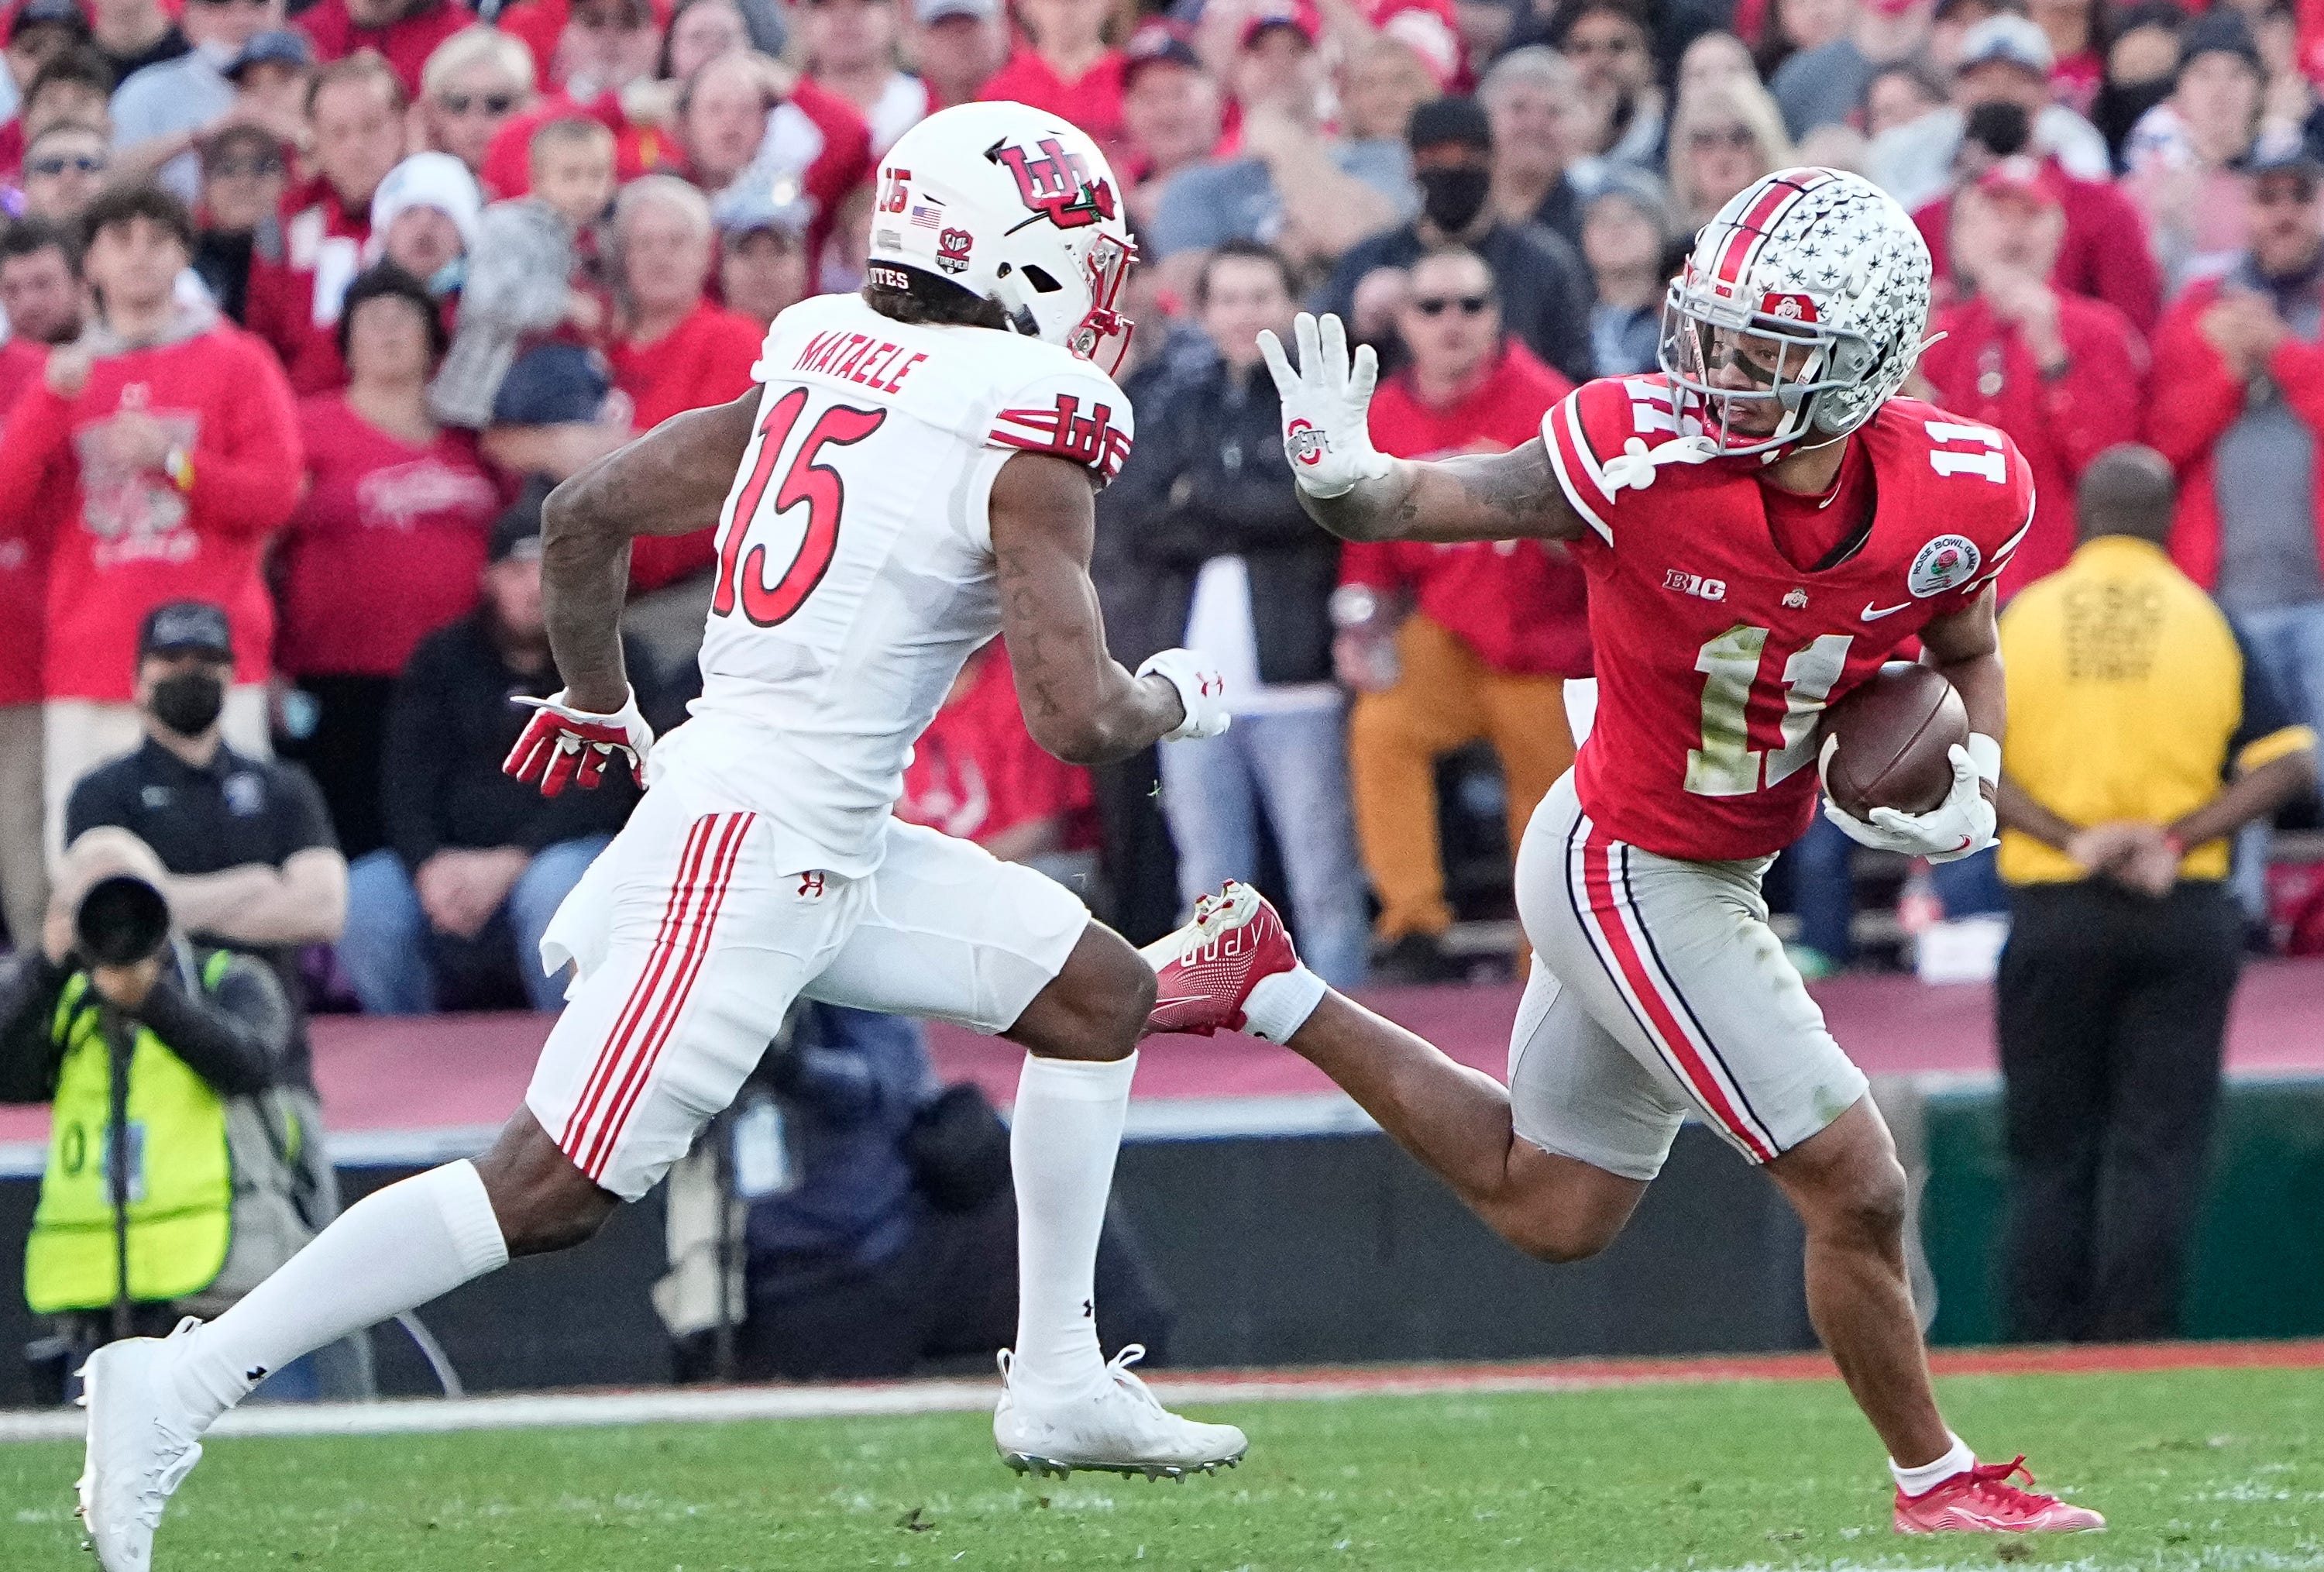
(1725, 765)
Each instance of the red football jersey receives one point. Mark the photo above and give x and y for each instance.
(1716, 654)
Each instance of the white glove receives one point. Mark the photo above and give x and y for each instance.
(1325, 405)
(1200, 690)
(1961, 825)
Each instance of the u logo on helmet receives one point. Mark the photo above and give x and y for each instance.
(1055, 183)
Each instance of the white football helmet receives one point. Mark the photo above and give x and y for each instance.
(1815, 285)
(1015, 205)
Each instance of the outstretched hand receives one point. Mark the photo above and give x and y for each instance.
(1326, 401)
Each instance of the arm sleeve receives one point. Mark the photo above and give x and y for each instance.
(246, 476)
(413, 759)
(1074, 412)
(2191, 398)
(234, 1036)
(40, 425)
(2265, 728)
(30, 985)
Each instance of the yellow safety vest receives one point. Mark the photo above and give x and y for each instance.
(181, 1176)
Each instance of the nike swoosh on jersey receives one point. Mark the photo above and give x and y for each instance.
(1873, 614)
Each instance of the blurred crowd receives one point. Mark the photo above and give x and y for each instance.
(305, 309)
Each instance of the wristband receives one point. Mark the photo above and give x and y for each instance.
(1985, 756)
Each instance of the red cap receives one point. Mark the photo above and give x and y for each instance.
(2026, 179)
(1299, 13)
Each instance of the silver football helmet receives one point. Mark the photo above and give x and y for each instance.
(1813, 284)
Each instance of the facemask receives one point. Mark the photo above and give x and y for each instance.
(188, 702)
(1453, 197)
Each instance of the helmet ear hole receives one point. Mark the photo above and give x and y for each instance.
(1041, 279)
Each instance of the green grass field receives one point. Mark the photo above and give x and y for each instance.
(2195, 1468)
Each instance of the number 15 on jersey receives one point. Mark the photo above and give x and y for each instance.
(803, 545)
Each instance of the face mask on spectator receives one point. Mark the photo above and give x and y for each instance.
(1453, 197)
(187, 702)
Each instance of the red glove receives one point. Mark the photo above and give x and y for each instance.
(561, 745)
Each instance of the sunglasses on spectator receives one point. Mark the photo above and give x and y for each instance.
(55, 165)
(1738, 137)
(463, 103)
(1467, 305)
(245, 169)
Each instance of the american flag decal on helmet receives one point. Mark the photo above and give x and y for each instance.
(1091, 440)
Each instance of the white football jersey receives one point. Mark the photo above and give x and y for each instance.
(854, 570)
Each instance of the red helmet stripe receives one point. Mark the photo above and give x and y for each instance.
(1743, 241)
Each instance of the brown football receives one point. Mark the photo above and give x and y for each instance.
(1896, 733)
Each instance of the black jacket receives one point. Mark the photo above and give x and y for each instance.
(236, 1036)
(449, 728)
(1207, 478)
(1544, 289)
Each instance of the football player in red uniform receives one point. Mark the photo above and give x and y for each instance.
(1762, 525)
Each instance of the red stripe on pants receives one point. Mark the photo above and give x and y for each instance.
(1597, 873)
(673, 1004)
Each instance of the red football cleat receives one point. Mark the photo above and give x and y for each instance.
(1207, 969)
(1982, 1500)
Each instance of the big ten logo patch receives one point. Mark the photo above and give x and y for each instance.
(952, 250)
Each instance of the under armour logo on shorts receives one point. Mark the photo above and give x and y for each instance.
(811, 886)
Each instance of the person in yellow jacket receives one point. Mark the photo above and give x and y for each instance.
(2140, 740)
(204, 1037)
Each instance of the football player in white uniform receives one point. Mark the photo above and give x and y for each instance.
(914, 474)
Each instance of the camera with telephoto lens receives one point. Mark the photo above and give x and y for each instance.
(121, 921)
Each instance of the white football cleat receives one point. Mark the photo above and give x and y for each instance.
(140, 1448)
(1119, 1427)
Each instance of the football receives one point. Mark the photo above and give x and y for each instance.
(1896, 734)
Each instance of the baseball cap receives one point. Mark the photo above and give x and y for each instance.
(2220, 32)
(930, 12)
(1456, 120)
(1300, 16)
(516, 533)
(1629, 183)
(1157, 43)
(2025, 177)
(2289, 159)
(50, 12)
(752, 211)
(183, 627)
(2016, 41)
(277, 46)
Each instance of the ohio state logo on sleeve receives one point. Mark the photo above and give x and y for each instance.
(1055, 183)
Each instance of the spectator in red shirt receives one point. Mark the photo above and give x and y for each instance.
(174, 435)
(395, 503)
(851, 49)
(605, 64)
(41, 291)
(475, 82)
(1171, 116)
(674, 351)
(977, 774)
(751, 124)
(958, 45)
(2104, 253)
(404, 33)
(2061, 373)
(1061, 63)
(357, 108)
(1446, 644)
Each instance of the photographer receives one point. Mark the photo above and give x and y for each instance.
(195, 1042)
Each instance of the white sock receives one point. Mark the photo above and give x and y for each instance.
(390, 1251)
(1063, 1135)
(1281, 1002)
(1958, 1459)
